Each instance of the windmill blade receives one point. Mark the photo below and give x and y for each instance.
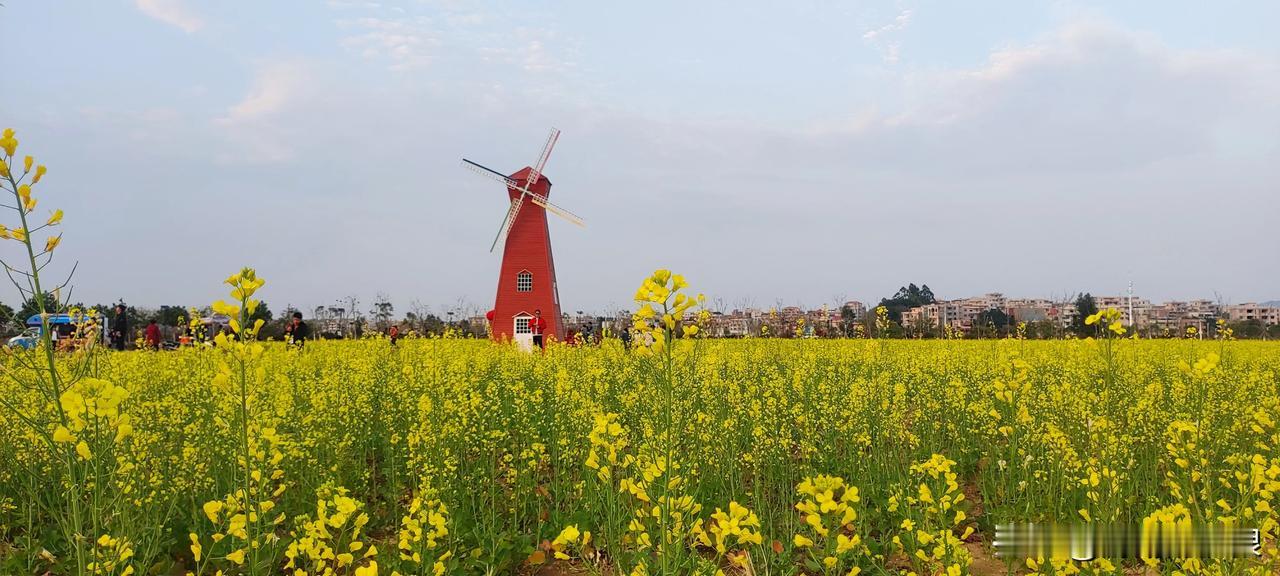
(488, 173)
(561, 212)
(542, 158)
(508, 221)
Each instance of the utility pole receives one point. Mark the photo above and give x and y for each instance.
(1131, 304)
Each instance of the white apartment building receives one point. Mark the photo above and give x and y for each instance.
(958, 313)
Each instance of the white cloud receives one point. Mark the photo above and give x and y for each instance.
(414, 38)
(1092, 90)
(275, 84)
(535, 51)
(172, 12)
(898, 23)
(407, 42)
(881, 38)
(277, 87)
(536, 55)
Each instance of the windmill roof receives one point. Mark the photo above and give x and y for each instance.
(523, 173)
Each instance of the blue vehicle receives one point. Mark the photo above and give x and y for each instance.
(63, 329)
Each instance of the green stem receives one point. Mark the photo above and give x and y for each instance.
(250, 505)
(55, 388)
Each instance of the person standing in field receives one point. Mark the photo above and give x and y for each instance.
(394, 333)
(298, 331)
(538, 326)
(152, 335)
(120, 327)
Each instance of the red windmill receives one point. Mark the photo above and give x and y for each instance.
(527, 283)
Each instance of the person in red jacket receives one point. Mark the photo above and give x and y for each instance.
(539, 326)
(152, 335)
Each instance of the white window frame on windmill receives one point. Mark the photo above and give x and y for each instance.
(524, 281)
(522, 338)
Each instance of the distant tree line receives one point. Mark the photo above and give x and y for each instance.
(420, 319)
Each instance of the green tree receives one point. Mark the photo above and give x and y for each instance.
(848, 319)
(1085, 307)
(424, 323)
(170, 315)
(382, 311)
(993, 322)
(260, 313)
(31, 307)
(1247, 328)
(1042, 329)
(907, 297)
(9, 322)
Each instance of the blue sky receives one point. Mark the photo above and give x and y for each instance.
(796, 152)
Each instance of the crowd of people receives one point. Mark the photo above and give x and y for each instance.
(296, 332)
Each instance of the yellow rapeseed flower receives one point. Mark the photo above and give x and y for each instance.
(8, 142)
(62, 435)
(211, 509)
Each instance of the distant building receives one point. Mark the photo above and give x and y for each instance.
(961, 314)
(1267, 315)
(964, 312)
(1178, 316)
(1030, 309)
(730, 325)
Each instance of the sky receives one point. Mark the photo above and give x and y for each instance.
(800, 153)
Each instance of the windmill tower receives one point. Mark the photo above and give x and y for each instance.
(527, 281)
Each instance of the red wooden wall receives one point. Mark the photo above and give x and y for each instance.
(528, 247)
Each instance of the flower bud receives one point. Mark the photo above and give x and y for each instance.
(9, 143)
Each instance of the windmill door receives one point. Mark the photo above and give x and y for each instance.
(523, 332)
